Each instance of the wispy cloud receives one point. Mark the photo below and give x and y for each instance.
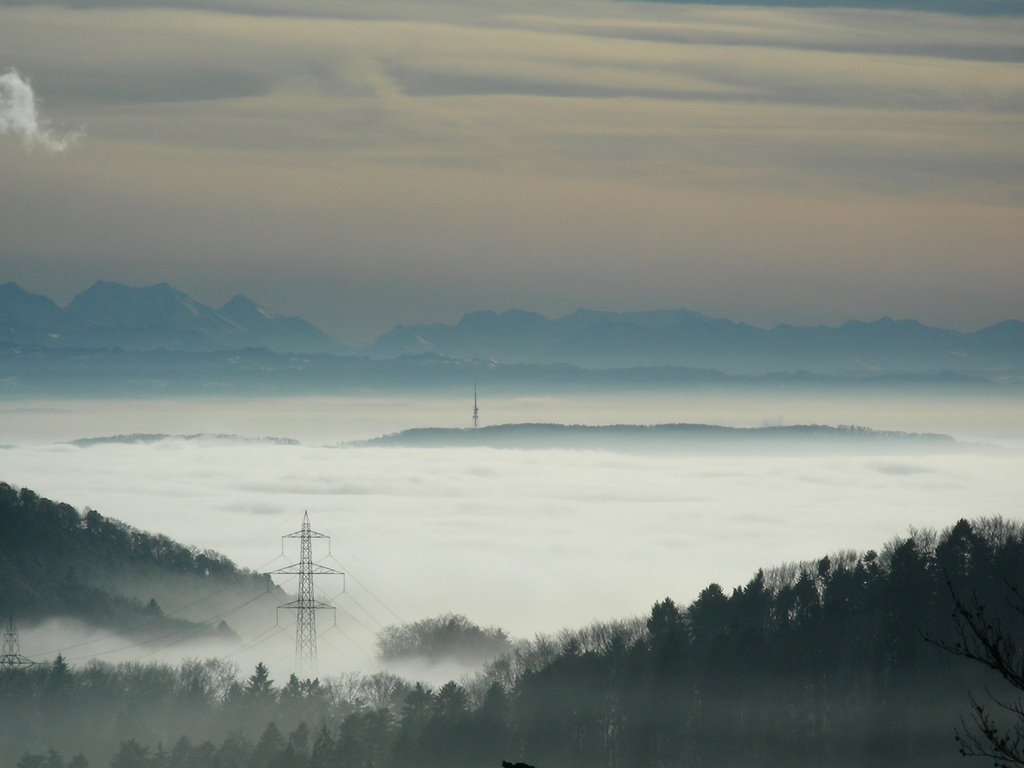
(20, 116)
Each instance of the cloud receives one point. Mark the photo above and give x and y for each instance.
(20, 117)
(551, 538)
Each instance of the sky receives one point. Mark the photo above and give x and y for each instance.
(366, 164)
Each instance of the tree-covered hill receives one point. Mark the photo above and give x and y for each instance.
(697, 438)
(825, 663)
(58, 562)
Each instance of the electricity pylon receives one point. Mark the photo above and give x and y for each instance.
(11, 658)
(306, 605)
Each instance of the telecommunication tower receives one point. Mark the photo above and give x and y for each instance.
(476, 410)
(306, 605)
(11, 658)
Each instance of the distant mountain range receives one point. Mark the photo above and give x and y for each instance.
(111, 316)
(592, 339)
(143, 438)
(154, 317)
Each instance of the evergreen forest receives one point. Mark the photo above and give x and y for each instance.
(833, 662)
(58, 562)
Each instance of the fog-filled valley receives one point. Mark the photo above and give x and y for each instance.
(555, 539)
(583, 520)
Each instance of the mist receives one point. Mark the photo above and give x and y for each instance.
(553, 538)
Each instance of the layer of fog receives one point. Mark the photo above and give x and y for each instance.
(531, 541)
(332, 420)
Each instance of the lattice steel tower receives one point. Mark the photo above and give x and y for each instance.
(476, 410)
(11, 658)
(306, 605)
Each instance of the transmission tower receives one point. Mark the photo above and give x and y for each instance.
(306, 605)
(476, 410)
(11, 658)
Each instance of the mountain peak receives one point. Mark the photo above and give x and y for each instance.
(112, 287)
(160, 316)
(243, 309)
(23, 313)
(113, 304)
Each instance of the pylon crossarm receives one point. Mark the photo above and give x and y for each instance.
(300, 534)
(316, 605)
(326, 570)
(9, 665)
(314, 568)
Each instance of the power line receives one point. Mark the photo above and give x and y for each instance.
(148, 622)
(366, 589)
(352, 640)
(357, 621)
(381, 579)
(175, 633)
(383, 605)
(262, 637)
(368, 614)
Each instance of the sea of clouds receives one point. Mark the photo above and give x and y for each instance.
(530, 540)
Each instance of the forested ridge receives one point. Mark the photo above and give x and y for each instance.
(58, 562)
(825, 663)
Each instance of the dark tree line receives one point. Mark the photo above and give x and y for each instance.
(836, 662)
(55, 561)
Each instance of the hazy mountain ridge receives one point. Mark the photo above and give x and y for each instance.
(152, 317)
(698, 437)
(159, 317)
(156, 437)
(592, 339)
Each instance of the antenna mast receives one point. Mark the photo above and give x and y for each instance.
(11, 658)
(306, 605)
(476, 410)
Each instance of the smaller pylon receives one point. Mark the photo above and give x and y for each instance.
(476, 409)
(11, 658)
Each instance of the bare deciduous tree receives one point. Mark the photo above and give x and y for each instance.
(995, 727)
